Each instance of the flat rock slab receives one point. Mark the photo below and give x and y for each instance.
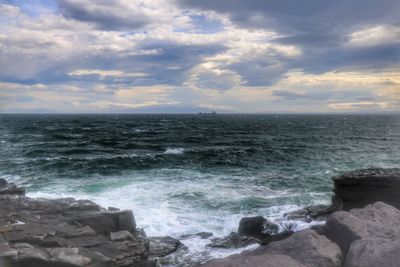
(66, 232)
(360, 188)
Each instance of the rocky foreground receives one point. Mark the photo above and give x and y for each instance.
(361, 229)
(68, 232)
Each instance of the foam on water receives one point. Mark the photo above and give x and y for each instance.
(174, 151)
(184, 206)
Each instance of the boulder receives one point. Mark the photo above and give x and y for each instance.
(373, 252)
(163, 245)
(233, 240)
(304, 248)
(266, 260)
(257, 227)
(377, 220)
(360, 188)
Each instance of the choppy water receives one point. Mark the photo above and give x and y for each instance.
(183, 174)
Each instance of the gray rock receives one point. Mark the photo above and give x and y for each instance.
(33, 254)
(71, 232)
(257, 227)
(74, 260)
(12, 189)
(126, 220)
(233, 240)
(377, 220)
(360, 188)
(304, 248)
(317, 212)
(202, 235)
(266, 260)
(121, 235)
(7, 252)
(163, 245)
(373, 253)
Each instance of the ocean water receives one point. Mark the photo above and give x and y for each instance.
(183, 174)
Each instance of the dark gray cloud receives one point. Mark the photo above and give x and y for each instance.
(303, 16)
(103, 14)
(320, 28)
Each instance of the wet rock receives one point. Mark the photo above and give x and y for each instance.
(257, 227)
(377, 220)
(317, 212)
(233, 240)
(276, 237)
(202, 235)
(163, 245)
(11, 189)
(304, 248)
(360, 188)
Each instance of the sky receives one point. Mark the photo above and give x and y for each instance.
(179, 56)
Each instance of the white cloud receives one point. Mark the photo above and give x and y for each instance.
(371, 36)
(107, 73)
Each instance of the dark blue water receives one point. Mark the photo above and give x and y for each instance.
(189, 173)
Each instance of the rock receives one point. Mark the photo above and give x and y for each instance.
(11, 189)
(68, 232)
(233, 240)
(7, 252)
(113, 209)
(377, 220)
(33, 255)
(304, 248)
(373, 252)
(276, 237)
(317, 212)
(163, 245)
(202, 235)
(266, 260)
(257, 227)
(126, 220)
(121, 235)
(360, 188)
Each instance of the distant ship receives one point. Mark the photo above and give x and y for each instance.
(213, 113)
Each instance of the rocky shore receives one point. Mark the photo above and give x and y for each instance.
(68, 232)
(361, 229)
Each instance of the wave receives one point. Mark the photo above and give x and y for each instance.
(174, 151)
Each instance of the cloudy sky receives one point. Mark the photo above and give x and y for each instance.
(244, 56)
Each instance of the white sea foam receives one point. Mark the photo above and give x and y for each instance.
(174, 151)
(180, 202)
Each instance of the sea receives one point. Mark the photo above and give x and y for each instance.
(187, 173)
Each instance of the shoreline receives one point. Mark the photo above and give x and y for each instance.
(109, 237)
